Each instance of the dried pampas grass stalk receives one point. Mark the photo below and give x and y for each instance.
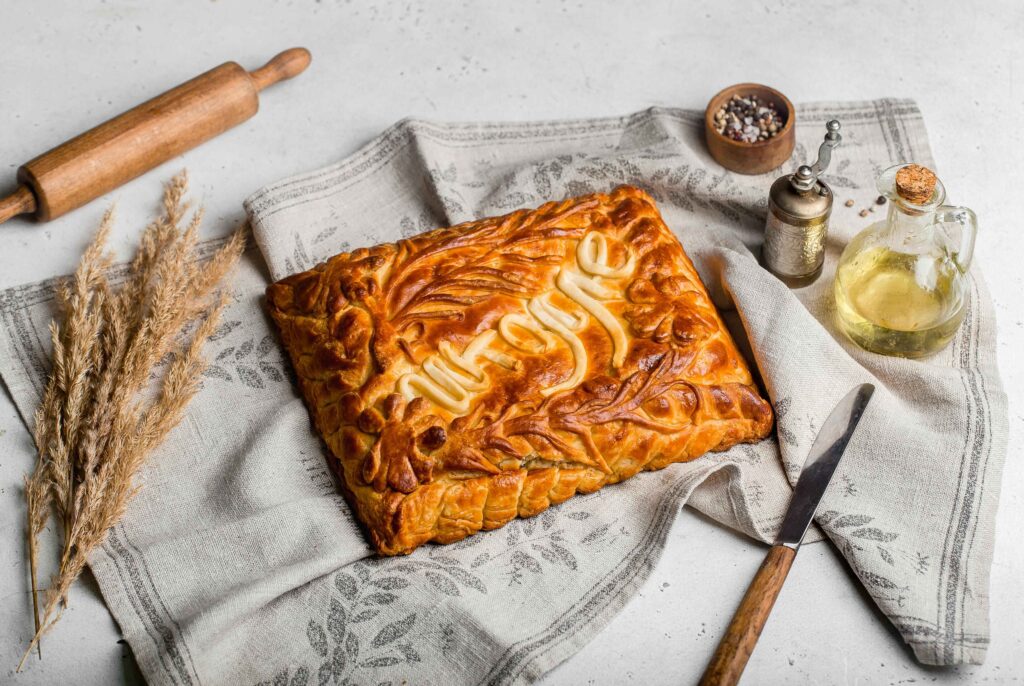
(126, 362)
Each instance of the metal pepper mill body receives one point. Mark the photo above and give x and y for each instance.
(799, 206)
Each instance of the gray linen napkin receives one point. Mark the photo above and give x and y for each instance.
(239, 562)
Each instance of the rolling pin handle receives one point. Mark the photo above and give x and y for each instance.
(283, 66)
(20, 201)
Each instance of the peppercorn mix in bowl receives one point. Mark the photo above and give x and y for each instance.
(750, 128)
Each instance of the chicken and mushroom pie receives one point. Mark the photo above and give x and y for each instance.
(486, 371)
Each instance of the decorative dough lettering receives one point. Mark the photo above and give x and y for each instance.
(450, 378)
(592, 256)
(564, 325)
(541, 341)
(584, 291)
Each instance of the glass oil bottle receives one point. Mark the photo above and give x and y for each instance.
(900, 284)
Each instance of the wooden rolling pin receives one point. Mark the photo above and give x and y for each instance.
(132, 143)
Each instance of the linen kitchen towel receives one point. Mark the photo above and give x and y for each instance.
(240, 563)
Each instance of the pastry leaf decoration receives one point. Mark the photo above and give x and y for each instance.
(668, 308)
(437, 278)
(400, 458)
(654, 398)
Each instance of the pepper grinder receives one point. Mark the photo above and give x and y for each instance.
(799, 206)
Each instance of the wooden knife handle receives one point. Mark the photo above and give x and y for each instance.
(738, 643)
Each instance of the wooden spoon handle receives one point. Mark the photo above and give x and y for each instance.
(738, 643)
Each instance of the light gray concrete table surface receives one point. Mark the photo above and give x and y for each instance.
(66, 65)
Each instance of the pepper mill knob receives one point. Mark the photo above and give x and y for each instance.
(804, 178)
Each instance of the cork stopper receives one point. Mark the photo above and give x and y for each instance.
(915, 183)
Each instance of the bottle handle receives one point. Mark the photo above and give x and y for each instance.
(967, 222)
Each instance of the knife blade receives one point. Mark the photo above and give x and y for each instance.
(736, 646)
(822, 460)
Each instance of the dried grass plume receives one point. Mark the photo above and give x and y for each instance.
(127, 359)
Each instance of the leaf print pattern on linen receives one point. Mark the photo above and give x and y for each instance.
(298, 678)
(689, 187)
(534, 541)
(755, 493)
(253, 364)
(837, 178)
(374, 626)
(847, 486)
(451, 201)
(537, 544)
(351, 646)
(409, 227)
(857, 538)
(301, 260)
(781, 410)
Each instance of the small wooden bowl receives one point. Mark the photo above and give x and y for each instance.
(751, 158)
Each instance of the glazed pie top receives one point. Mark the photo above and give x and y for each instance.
(472, 374)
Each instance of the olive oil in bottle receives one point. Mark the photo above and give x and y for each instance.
(900, 283)
(888, 304)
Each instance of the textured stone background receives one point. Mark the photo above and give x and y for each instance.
(67, 65)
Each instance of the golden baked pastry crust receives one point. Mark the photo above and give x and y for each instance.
(477, 373)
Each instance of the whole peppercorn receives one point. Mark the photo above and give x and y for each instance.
(748, 119)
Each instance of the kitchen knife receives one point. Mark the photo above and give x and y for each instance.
(740, 638)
